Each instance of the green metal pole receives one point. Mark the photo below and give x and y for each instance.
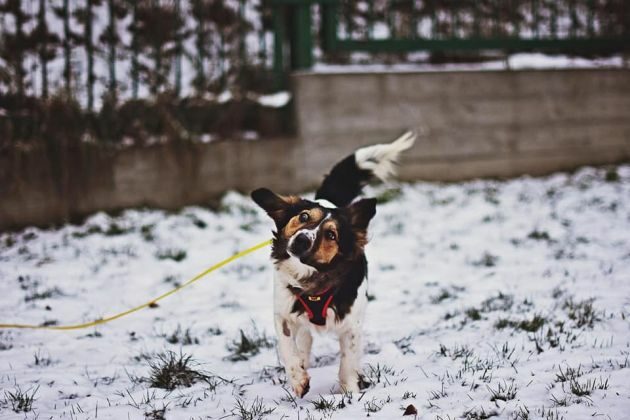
(278, 46)
(302, 48)
(329, 25)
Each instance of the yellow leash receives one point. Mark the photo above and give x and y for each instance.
(144, 305)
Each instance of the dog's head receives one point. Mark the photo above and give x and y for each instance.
(321, 237)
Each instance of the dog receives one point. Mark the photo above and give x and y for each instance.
(320, 268)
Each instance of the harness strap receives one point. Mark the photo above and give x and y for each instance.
(316, 305)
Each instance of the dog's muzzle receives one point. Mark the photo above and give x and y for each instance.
(300, 244)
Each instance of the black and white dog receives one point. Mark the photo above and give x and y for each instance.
(320, 265)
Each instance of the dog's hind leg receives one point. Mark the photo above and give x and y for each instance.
(350, 376)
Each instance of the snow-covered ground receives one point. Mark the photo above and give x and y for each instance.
(488, 299)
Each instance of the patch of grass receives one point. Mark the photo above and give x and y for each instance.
(522, 413)
(479, 413)
(91, 230)
(170, 370)
(456, 352)
(408, 394)
(41, 359)
(255, 411)
(568, 374)
(171, 254)
(21, 401)
(248, 345)
(611, 175)
(375, 405)
(582, 313)
(529, 325)
(156, 414)
(114, 229)
(384, 374)
(473, 314)
(442, 296)
(539, 235)
(147, 232)
(559, 402)
(500, 302)
(181, 336)
(5, 339)
(41, 295)
(486, 260)
(436, 395)
(197, 221)
(325, 405)
(404, 345)
(215, 331)
(504, 392)
(581, 389)
(549, 414)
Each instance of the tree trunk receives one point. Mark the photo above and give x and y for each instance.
(178, 55)
(135, 71)
(43, 59)
(20, 73)
(67, 51)
(89, 48)
(111, 28)
(200, 79)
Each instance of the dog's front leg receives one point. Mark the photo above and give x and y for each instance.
(290, 356)
(350, 377)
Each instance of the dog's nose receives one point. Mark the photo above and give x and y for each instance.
(300, 244)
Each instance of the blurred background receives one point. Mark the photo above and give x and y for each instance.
(108, 104)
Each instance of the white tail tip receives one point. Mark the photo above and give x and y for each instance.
(381, 159)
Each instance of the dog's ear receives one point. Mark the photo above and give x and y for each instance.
(361, 212)
(276, 206)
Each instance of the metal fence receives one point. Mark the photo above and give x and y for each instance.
(399, 26)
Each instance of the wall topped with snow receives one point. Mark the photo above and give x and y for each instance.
(471, 124)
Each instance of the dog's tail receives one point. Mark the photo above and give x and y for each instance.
(347, 178)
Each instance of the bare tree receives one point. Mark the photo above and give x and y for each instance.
(45, 43)
(86, 16)
(116, 10)
(157, 29)
(16, 45)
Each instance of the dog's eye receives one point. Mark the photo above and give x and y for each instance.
(331, 235)
(304, 217)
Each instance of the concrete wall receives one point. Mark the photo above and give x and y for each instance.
(473, 124)
(43, 186)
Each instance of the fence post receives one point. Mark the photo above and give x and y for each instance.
(278, 45)
(301, 39)
(329, 25)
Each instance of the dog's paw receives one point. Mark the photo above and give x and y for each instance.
(300, 382)
(355, 383)
(364, 382)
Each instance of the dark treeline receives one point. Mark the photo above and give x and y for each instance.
(116, 69)
(147, 70)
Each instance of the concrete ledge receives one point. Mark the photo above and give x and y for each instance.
(474, 124)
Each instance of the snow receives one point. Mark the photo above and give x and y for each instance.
(520, 61)
(447, 262)
(275, 100)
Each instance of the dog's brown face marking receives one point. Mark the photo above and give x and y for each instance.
(305, 219)
(328, 244)
(317, 235)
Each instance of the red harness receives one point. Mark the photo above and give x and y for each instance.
(316, 305)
